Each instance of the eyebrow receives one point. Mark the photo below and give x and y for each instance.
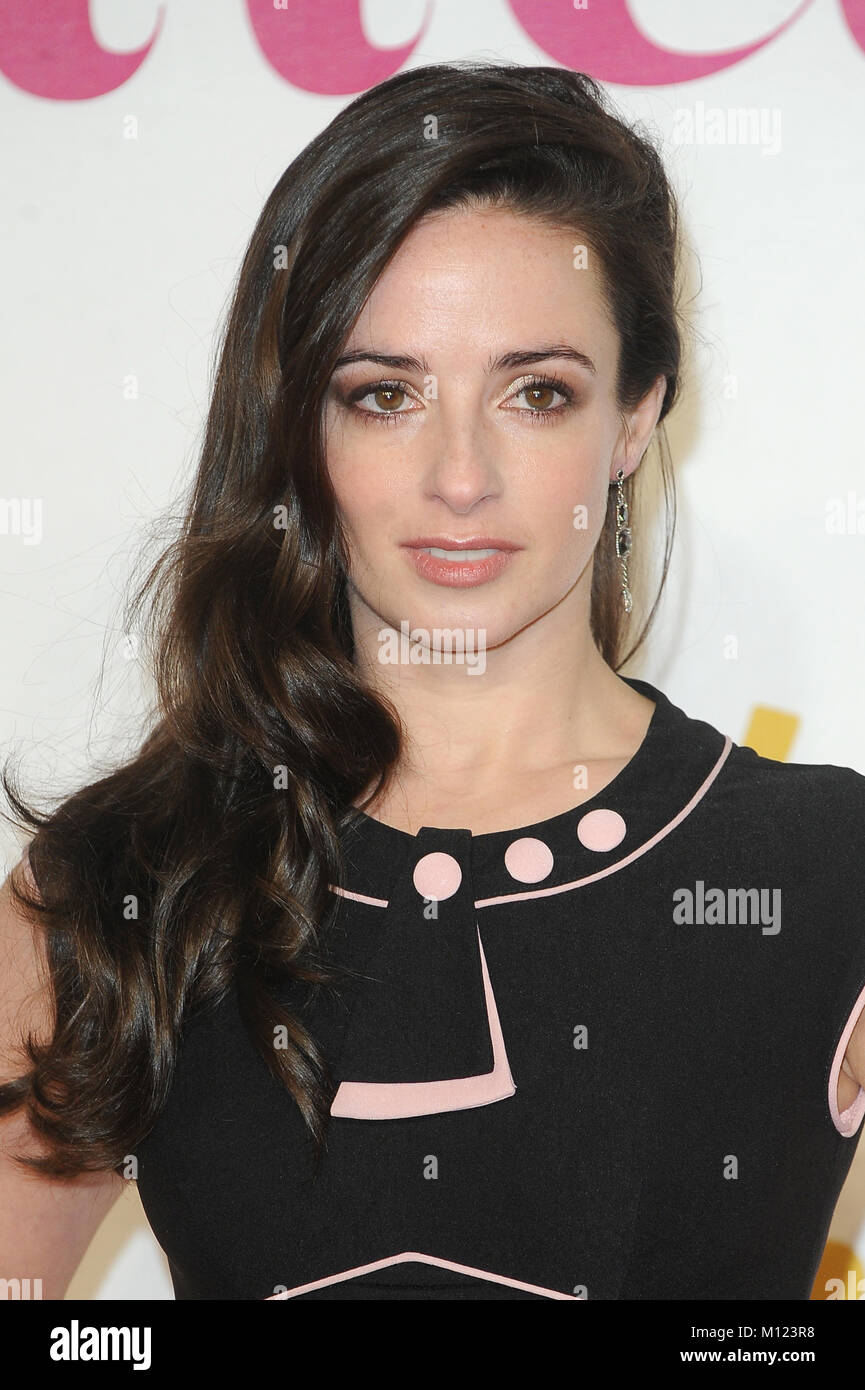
(522, 357)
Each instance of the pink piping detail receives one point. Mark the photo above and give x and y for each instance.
(590, 878)
(635, 854)
(358, 897)
(846, 1121)
(392, 1100)
(415, 1255)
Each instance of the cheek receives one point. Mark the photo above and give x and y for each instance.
(372, 485)
(565, 505)
(346, 474)
(365, 500)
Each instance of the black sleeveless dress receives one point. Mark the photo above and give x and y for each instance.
(591, 1058)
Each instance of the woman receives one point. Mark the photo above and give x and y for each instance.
(418, 954)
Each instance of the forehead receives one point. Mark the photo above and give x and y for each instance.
(487, 279)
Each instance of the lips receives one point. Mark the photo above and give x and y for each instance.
(462, 563)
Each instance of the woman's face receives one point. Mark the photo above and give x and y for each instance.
(502, 429)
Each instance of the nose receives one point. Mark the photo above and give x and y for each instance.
(463, 466)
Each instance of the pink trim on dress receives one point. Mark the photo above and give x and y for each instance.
(846, 1121)
(393, 1100)
(415, 1255)
(589, 878)
(629, 858)
(358, 897)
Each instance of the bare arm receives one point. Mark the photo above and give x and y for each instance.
(46, 1224)
(853, 1066)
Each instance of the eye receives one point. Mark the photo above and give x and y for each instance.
(538, 391)
(388, 398)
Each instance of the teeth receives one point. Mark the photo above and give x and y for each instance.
(458, 554)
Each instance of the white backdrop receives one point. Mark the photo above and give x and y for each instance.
(130, 187)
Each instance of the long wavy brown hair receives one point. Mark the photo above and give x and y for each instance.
(203, 863)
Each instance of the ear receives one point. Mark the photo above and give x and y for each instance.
(637, 429)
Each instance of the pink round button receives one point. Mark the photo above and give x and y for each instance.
(601, 830)
(528, 860)
(437, 876)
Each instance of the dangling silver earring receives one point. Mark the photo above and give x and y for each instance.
(623, 539)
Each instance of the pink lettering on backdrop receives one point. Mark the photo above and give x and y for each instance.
(602, 39)
(50, 51)
(854, 13)
(322, 48)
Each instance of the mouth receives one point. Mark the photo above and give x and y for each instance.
(461, 563)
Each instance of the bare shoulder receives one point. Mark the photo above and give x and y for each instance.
(46, 1224)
